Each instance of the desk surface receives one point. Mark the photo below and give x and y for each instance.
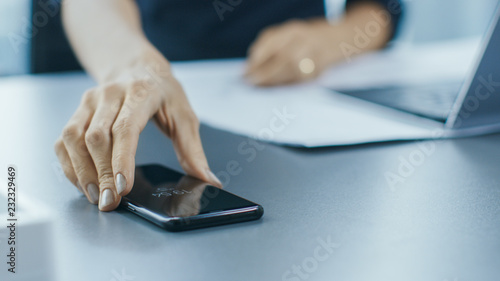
(441, 223)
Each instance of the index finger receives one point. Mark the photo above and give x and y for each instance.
(182, 126)
(187, 144)
(128, 125)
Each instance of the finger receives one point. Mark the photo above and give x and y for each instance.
(65, 162)
(99, 144)
(74, 142)
(187, 144)
(265, 48)
(285, 68)
(279, 70)
(182, 127)
(133, 117)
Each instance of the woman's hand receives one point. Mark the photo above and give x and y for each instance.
(300, 50)
(292, 52)
(98, 145)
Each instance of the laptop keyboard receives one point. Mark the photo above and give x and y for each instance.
(432, 101)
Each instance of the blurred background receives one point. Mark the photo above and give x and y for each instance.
(424, 21)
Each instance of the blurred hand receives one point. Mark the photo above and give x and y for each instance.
(98, 145)
(300, 50)
(295, 51)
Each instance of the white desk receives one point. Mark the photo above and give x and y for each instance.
(442, 223)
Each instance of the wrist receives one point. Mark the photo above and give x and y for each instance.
(147, 63)
(359, 31)
(329, 37)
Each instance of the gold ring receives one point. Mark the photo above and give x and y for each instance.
(307, 66)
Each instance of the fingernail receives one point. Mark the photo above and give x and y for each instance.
(79, 187)
(213, 178)
(107, 198)
(121, 183)
(93, 192)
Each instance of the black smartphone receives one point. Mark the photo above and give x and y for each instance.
(179, 202)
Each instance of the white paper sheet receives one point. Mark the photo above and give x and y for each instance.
(302, 115)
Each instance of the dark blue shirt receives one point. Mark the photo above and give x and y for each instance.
(205, 29)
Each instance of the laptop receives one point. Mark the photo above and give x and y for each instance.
(472, 102)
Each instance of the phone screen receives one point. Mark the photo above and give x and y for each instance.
(169, 199)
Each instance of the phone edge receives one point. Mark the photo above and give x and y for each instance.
(178, 224)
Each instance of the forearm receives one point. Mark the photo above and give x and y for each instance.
(107, 37)
(365, 27)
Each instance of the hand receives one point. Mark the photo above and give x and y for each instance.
(292, 52)
(98, 145)
(300, 50)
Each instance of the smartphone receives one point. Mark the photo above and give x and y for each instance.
(178, 202)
